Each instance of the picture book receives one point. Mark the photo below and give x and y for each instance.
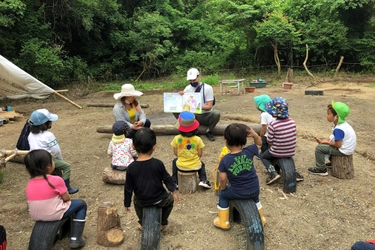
(176, 103)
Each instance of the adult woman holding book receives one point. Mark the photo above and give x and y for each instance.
(128, 109)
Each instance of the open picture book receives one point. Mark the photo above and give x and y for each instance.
(176, 103)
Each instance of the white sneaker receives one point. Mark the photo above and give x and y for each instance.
(205, 184)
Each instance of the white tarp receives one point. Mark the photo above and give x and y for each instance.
(16, 83)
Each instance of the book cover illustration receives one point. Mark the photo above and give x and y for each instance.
(175, 103)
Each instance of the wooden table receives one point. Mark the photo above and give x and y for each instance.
(238, 83)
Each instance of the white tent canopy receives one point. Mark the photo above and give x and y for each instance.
(15, 83)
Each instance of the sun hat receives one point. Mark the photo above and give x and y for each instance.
(127, 90)
(186, 122)
(192, 74)
(278, 108)
(41, 116)
(261, 100)
(342, 111)
(120, 128)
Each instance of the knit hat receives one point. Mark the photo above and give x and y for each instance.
(278, 108)
(261, 100)
(41, 116)
(186, 122)
(120, 128)
(342, 111)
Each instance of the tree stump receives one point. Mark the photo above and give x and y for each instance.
(187, 182)
(113, 176)
(342, 166)
(109, 232)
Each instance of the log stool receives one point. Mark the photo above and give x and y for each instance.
(113, 176)
(109, 232)
(187, 182)
(342, 166)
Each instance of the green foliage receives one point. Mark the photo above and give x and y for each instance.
(10, 12)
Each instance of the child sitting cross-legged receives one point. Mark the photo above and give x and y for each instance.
(188, 147)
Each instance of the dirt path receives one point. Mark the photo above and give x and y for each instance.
(324, 213)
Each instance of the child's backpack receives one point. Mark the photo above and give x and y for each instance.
(23, 142)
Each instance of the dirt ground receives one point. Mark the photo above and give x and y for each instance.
(324, 213)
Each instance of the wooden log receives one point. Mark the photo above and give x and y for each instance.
(187, 182)
(112, 176)
(109, 232)
(110, 105)
(342, 166)
(172, 130)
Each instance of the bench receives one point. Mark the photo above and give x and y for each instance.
(238, 83)
(46, 233)
(246, 212)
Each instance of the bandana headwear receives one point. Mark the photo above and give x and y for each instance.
(261, 100)
(342, 111)
(278, 108)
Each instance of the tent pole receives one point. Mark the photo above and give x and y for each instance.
(63, 97)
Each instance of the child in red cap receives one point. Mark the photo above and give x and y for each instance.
(188, 147)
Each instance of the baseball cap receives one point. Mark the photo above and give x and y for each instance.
(120, 128)
(192, 74)
(41, 116)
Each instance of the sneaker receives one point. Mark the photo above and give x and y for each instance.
(329, 165)
(299, 177)
(274, 176)
(205, 184)
(318, 171)
(210, 136)
(177, 186)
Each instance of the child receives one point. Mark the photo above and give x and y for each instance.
(187, 146)
(282, 137)
(341, 142)
(120, 148)
(265, 119)
(39, 138)
(237, 167)
(48, 198)
(145, 177)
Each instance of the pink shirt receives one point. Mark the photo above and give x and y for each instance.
(45, 203)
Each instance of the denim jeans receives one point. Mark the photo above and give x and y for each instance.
(264, 146)
(166, 204)
(77, 207)
(228, 194)
(132, 132)
(201, 172)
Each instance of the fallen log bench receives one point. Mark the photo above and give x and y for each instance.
(172, 130)
(46, 233)
(246, 212)
(342, 166)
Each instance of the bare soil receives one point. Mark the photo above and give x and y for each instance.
(324, 213)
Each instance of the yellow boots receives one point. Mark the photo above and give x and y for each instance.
(223, 220)
(260, 211)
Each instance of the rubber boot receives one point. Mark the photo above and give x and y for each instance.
(70, 189)
(260, 211)
(223, 220)
(76, 239)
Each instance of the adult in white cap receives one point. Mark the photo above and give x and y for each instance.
(129, 110)
(209, 117)
(40, 138)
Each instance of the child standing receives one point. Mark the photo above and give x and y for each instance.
(265, 120)
(145, 177)
(237, 167)
(188, 147)
(40, 138)
(48, 198)
(120, 148)
(342, 141)
(282, 138)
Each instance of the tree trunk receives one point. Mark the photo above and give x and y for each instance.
(338, 67)
(304, 63)
(342, 166)
(109, 232)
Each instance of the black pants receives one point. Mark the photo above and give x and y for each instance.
(201, 172)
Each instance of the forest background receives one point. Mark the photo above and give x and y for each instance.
(64, 42)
